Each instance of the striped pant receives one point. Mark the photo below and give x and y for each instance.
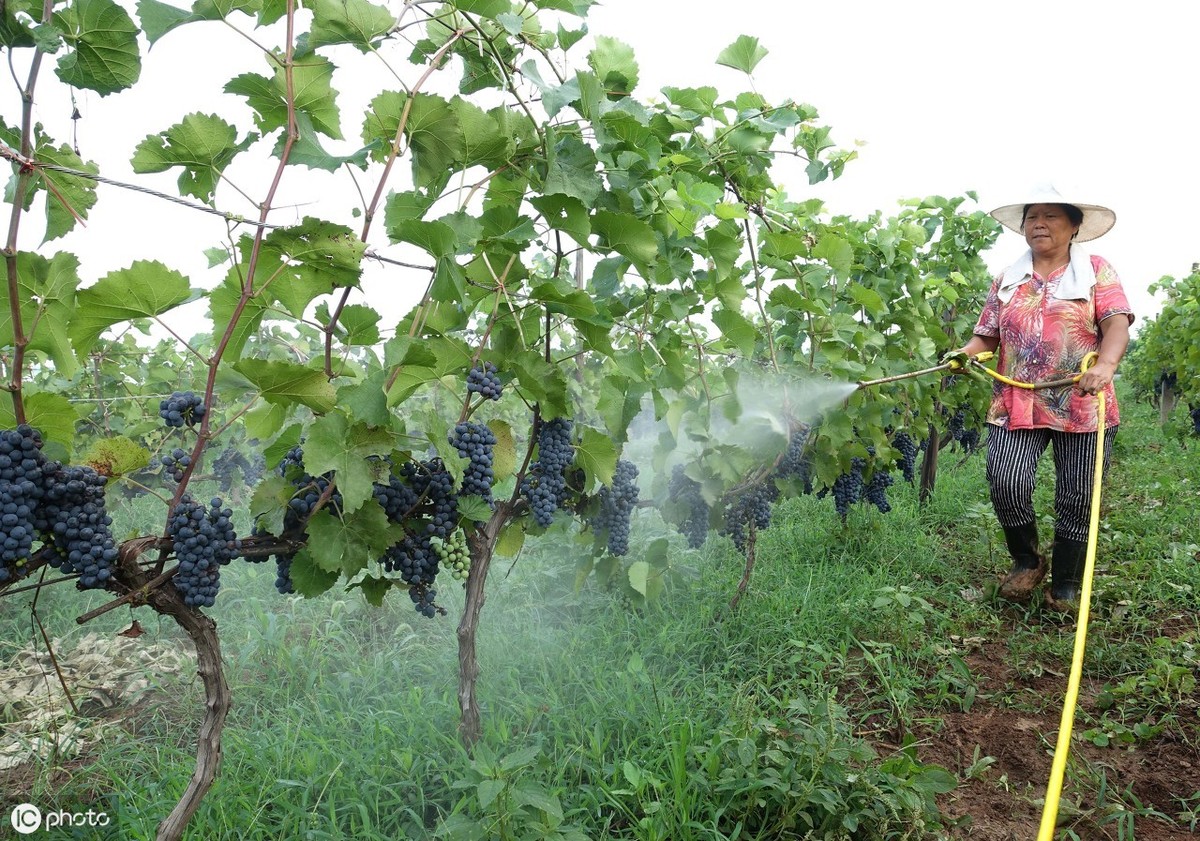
(1012, 459)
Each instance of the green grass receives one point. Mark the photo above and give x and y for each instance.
(771, 721)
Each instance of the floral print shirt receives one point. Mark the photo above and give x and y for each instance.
(1045, 338)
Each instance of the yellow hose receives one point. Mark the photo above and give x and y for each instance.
(1063, 745)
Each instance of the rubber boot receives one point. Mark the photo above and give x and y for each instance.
(1066, 574)
(1029, 565)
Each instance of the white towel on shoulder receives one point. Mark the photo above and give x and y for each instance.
(1075, 284)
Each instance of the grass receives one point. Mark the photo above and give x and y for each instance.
(790, 717)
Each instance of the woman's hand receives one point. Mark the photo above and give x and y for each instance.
(1094, 379)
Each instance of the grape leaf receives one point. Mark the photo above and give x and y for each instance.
(354, 22)
(146, 288)
(630, 237)
(269, 502)
(104, 55)
(223, 304)
(47, 294)
(50, 414)
(308, 578)
(287, 383)
(70, 197)
(337, 444)
(348, 543)
(743, 54)
(314, 96)
(596, 453)
(614, 64)
(202, 144)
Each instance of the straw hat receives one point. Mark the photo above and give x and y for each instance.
(1097, 219)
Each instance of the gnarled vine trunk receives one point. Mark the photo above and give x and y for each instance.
(482, 543)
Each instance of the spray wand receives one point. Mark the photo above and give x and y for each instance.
(976, 361)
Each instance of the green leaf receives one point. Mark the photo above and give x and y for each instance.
(159, 18)
(365, 400)
(50, 414)
(615, 65)
(145, 289)
(348, 543)
(736, 329)
(571, 169)
(352, 451)
(639, 573)
(630, 237)
(359, 325)
(308, 579)
(314, 96)
(72, 196)
(743, 54)
(286, 383)
(511, 540)
(596, 453)
(202, 144)
(374, 589)
(14, 32)
(354, 22)
(565, 213)
(269, 503)
(308, 260)
(308, 150)
(835, 251)
(104, 53)
(486, 8)
(434, 138)
(47, 294)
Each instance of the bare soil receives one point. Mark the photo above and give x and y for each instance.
(1003, 801)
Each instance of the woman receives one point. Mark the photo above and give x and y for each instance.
(1045, 313)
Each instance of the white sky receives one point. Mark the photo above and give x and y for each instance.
(945, 96)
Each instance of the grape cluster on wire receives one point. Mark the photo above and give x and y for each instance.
(181, 408)
(474, 441)
(616, 507)
(484, 381)
(62, 506)
(204, 541)
(175, 463)
(750, 508)
(686, 493)
(545, 484)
